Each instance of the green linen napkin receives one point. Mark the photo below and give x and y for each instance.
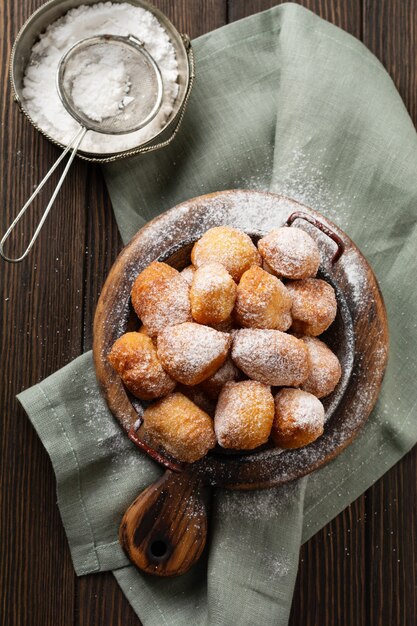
(287, 102)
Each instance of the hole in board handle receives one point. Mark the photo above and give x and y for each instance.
(159, 549)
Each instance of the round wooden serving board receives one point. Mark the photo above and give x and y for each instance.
(359, 336)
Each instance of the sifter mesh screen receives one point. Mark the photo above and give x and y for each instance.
(110, 84)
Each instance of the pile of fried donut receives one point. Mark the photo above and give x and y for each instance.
(228, 351)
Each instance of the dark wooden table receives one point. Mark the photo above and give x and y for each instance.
(361, 569)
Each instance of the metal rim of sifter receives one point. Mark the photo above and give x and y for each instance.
(86, 54)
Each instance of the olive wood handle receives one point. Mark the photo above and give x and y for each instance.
(164, 530)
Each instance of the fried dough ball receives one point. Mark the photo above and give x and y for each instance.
(180, 427)
(271, 356)
(262, 301)
(212, 294)
(299, 418)
(155, 273)
(325, 368)
(244, 415)
(188, 273)
(228, 372)
(228, 246)
(160, 297)
(134, 358)
(314, 306)
(290, 252)
(191, 352)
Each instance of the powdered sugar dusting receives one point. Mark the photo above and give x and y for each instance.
(314, 305)
(356, 274)
(229, 246)
(98, 427)
(212, 278)
(212, 294)
(187, 351)
(264, 505)
(291, 252)
(270, 356)
(167, 303)
(244, 415)
(325, 368)
(188, 273)
(302, 178)
(300, 409)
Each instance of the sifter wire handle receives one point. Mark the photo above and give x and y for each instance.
(71, 147)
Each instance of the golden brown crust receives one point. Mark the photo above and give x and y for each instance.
(212, 294)
(134, 358)
(180, 427)
(154, 274)
(271, 356)
(226, 245)
(290, 252)
(325, 368)
(299, 418)
(262, 301)
(191, 352)
(228, 372)
(244, 415)
(160, 297)
(314, 306)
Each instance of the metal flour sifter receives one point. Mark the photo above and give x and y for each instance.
(146, 92)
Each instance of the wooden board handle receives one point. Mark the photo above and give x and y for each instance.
(164, 530)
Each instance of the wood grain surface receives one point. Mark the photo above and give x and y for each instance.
(361, 569)
(164, 530)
